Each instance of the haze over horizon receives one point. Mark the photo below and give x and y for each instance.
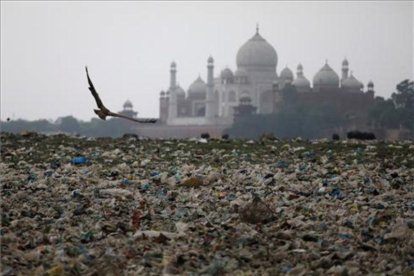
(128, 47)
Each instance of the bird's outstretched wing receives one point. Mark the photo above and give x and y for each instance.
(93, 91)
(104, 112)
(146, 120)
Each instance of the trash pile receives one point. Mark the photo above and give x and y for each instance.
(86, 206)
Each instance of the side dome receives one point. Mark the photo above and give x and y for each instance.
(198, 86)
(226, 74)
(286, 74)
(301, 82)
(351, 83)
(179, 91)
(128, 104)
(256, 52)
(326, 77)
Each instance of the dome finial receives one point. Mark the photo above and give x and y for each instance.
(257, 28)
(326, 61)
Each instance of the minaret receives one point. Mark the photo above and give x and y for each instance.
(167, 103)
(277, 98)
(172, 101)
(173, 75)
(345, 68)
(299, 72)
(172, 105)
(370, 86)
(370, 90)
(210, 87)
(163, 107)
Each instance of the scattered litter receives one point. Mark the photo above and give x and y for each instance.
(115, 192)
(79, 160)
(205, 207)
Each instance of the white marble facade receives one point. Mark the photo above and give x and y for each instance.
(212, 101)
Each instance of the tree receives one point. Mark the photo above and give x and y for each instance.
(404, 103)
(23, 125)
(42, 126)
(69, 124)
(382, 114)
(396, 112)
(404, 97)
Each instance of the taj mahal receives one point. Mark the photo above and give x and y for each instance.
(256, 81)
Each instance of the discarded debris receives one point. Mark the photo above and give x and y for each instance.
(205, 207)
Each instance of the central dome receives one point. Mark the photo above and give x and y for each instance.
(256, 52)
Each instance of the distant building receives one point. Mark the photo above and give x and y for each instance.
(256, 81)
(128, 110)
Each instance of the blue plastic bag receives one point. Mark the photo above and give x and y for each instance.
(78, 160)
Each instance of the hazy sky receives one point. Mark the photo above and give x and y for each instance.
(129, 46)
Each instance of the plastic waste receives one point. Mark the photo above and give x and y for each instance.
(148, 207)
(78, 160)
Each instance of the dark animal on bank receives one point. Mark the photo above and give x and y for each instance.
(104, 112)
(360, 135)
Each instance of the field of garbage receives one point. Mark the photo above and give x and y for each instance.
(130, 206)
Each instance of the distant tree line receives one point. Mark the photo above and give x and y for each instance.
(315, 121)
(293, 120)
(396, 112)
(69, 124)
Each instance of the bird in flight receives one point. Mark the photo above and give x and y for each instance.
(104, 112)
